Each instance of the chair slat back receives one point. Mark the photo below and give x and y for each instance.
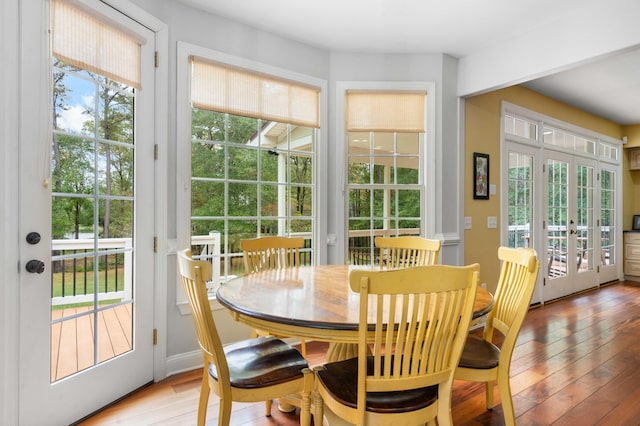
(422, 319)
(194, 275)
(407, 251)
(270, 253)
(513, 294)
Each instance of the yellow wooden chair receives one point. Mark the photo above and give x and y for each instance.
(421, 321)
(271, 253)
(482, 360)
(407, 251)
(265, 253)
(247, 371)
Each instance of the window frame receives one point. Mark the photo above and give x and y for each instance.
(427, 162)
(183, 154)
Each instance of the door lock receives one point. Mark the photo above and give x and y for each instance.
(33, 238)
(35, 266)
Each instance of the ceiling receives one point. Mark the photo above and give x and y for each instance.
(609, 87)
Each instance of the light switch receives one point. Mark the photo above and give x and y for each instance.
(467, 222)
(492, 189)
(492, 222)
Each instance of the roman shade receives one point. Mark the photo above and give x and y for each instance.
(222, 88)
(84, 40)
(385, 111)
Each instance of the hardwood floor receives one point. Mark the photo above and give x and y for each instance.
(577, 362)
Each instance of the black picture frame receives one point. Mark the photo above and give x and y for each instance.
(480, 176)
(636, 222)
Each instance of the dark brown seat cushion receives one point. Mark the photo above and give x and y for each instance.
(479, 354)
(261, 362)
(341, 380)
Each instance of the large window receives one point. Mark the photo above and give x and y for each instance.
(253, 162)
(385, 184)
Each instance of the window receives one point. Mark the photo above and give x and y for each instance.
(385, 184)
(253, 148)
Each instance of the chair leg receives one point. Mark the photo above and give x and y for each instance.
(318, 404)
(224, 416)
(507, 401)
(489, 394)
(204, 399)
(267, 407)
(307, 389)
(303, 348)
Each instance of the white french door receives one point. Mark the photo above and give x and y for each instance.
(86, 206)
(569, 225)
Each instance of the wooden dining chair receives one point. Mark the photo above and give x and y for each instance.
(482, 360)
(407, 251)
(412, 326)
(265, 253)
(271, 253)
(252, 370)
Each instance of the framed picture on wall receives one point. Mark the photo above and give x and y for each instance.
(636, 222)
(480, 176)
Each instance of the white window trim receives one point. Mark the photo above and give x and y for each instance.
(428, 164)
(183, 167)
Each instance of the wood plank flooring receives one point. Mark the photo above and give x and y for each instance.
(577, 362)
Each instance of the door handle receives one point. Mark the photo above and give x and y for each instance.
(35, 266)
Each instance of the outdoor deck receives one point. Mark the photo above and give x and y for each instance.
(72, 347)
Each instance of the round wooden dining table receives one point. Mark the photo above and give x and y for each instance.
(310, 302)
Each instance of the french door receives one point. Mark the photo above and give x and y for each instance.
(569, 226)
(86, 206)
(564, 206)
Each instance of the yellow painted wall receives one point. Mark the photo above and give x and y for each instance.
(630, 179)
(482, 134)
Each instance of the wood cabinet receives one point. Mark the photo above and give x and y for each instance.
(634, 158)
(632, 255)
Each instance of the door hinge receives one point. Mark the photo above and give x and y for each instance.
(156, 59)
(155, 336)
(155, 151)
(544, 282)
(155, 244)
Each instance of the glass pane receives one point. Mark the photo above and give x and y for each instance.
(208, 125)
(73, 100)
(72, 218)
(269, 166)
(557, 215)
(408, 143)
(243, 199)
(115, 170)
(301, 200)
(116, 113)
(207, 160)
(269, 200)
(359, 143)
(359, 202)
(359, 173)
(242, 163)
(116, 217)
(207, 198)
(73, 164)
(409, 203)
(301, 169)
(520, 203)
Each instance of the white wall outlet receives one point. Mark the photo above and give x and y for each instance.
(492, 222)
(467, 222)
